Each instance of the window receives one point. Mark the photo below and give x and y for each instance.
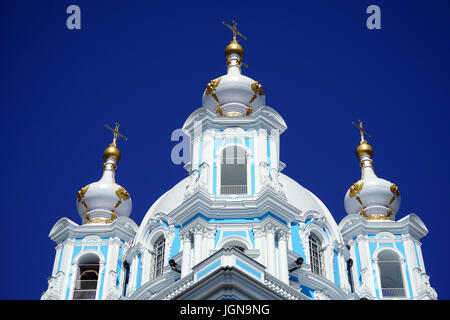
(233, 175)
(316, 255)
(390, 274)
(159, 249)
(126, 268)
(86, 282)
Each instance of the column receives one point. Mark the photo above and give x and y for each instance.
(186, 265)
(411, 258)
(198, 237)
(282, 251)
(259, 245)
(207, 156)
(260, 157)
(273, 141)
(270, 234)
(206, 243)
(66, 266)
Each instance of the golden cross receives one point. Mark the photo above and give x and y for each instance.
(116, 133)
(234, 29)
(361, 129)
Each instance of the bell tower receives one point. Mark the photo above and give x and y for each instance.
(386, 253)
(89, 260)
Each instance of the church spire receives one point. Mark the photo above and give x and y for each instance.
(112, 151)
(234, 51)
(364, 152)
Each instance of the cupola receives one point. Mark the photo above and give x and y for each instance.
(373, 198)
(233, 94)
(105, 200)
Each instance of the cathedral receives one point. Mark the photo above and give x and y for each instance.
(236, 227)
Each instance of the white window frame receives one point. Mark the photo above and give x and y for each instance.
(218, 163)
(403, 270)
(75, 271)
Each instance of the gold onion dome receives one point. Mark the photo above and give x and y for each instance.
(111, 152)
(364, 148)
(234, 48)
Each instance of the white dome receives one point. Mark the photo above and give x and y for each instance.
(104, 200)
(372, 197)
(233, 94)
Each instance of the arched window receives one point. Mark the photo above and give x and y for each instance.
(390, 274)
(87, 278)
(315, 247)
(159, 249)
(233, 175)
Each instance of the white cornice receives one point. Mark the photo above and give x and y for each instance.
(264, 117)
(353, 225)
(202, 202)
(122, 227)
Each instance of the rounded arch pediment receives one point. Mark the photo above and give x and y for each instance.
(234, 241)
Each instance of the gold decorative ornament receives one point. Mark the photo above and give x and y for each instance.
(355, 189)
(212, 86)
(363, 212)
(395, 192)
(233, 114)
(99, 220)
(81, 195)
(219, 111)
(113, 166)
(249, 111)
(87, 272)
(113, 215)
(121, 193)
(257, 89)
(377, 217)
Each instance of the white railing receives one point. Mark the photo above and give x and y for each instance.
(233, 189)
(393, 292)
(85, 290)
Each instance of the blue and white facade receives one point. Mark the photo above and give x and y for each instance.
(236, 227)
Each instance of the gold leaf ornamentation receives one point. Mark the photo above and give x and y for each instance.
(355, 189)
(121, 193)
(377, 217)
(395, 192)
(81, 194)
(212, 86)
(99, 220)
(257, 89)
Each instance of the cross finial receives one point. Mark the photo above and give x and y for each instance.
(116, 133)
(234, 29)
(361, 130)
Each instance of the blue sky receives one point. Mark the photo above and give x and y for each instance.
(145, 64)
